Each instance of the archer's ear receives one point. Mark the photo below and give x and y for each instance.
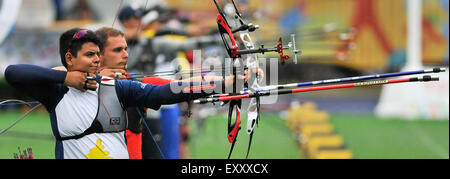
(101, 57)
(101, 54)
(69, 59)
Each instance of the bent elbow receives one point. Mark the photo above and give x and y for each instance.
(9, 73)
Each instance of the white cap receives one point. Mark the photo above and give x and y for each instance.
(150, 17)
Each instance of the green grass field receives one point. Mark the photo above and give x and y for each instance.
(272, 140)
(34, 131)
(367, 137)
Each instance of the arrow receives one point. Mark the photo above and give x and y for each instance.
(320, 88)
(348, 79)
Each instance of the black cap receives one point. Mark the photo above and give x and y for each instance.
(130, 12)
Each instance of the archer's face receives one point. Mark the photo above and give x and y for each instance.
(87, 59)
(114, 55)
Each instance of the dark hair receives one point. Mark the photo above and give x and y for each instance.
(105, 32)
(67, 43)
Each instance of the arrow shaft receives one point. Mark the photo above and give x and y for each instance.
(320, 88)
(348, 79)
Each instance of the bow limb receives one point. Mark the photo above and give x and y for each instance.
(21, 117)
(15, 100)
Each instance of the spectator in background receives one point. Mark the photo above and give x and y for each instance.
(130, 18)
(59, 12)
(159, 42)
(82, 11)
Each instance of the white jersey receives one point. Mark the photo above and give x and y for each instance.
(75, 113)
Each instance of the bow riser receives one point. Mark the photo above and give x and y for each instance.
(245, 49)
(224, 27)
(233, 129)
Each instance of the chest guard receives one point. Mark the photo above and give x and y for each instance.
(111, 116)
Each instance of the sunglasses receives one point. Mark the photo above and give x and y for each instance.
(80, 34)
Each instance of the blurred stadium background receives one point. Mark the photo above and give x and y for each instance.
(339, 38)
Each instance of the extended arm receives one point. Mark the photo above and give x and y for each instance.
(133, 93)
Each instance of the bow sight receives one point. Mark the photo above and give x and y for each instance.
(227, 32)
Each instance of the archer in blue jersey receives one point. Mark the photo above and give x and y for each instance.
(87, 116)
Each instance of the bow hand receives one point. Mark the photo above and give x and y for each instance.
(81, 81)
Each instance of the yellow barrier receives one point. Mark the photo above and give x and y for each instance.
(334, 154)
(317, 137)
(320, 128)
(315, 142)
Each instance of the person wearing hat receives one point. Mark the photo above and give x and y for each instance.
(159, 44)
(130, 18)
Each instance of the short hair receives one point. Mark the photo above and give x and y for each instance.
(105, 32)
(67, 43)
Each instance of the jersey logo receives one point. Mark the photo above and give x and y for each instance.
(114, 121)
(97, 152)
